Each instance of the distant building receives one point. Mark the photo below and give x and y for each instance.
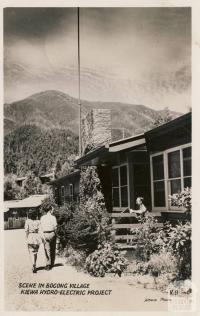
(19, 181)
(66, 188)
(15, 211)
(47, 178)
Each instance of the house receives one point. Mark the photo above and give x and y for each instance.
(46, 178)
(153, 165)
(19, 181)
(170, 158)
(15, 211)
(66, 188)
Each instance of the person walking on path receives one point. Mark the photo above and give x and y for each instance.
(33, 238)
(48, 228)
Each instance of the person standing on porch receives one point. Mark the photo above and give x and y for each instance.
(48, 228)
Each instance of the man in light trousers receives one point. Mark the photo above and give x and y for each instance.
(48, 228)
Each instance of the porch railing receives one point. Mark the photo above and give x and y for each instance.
(127, 239)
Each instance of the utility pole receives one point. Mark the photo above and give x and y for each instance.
(79, 86)
(123, 131)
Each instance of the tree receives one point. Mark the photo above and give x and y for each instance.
(32, 185)
(90, 222)
(163, 117)
(58, 168)
(11, 189)
(85, 225)
(47, 204)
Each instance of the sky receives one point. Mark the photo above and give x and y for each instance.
(129, 55)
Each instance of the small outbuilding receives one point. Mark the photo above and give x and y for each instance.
(15, 211)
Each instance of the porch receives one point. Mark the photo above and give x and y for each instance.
(123, 231)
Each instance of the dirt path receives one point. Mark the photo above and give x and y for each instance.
(124, 295)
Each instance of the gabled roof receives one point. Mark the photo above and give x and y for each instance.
(31, 201)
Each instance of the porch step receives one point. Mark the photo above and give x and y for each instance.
(126, 246)
(125, 237)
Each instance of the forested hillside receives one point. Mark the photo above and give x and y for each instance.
(55, 109)
(30, 148)
(44, 127)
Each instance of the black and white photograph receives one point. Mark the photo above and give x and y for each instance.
(97, 158)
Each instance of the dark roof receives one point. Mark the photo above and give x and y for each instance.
(176, 123)
(68, 176)
(126, 140)
(98, 152)
(174, 133)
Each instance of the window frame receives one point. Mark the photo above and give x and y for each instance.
(71, 196)
(168, 207)
(62, 194)
(118, 208)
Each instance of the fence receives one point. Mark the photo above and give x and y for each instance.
(14, 223)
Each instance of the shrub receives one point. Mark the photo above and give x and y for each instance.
(83, 232)
(31, 185)
(11, 189)
(149, 238)
(106, 259)
(47, 204)
(179, 244)
(89, 226)
(74, 257)
(179, 236)
(183, 199)
(142, 267)
(64, 217)
(162, 263)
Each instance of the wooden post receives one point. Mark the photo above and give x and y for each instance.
(113, 231)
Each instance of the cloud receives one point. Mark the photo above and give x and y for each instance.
(135, 55)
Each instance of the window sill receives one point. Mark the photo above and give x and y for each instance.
(174, 211)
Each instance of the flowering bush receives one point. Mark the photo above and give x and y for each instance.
(158, 247)
(149, 238)
(162, 263)
(106, 260)
(180, 235)
(179, 244)
(182, 199)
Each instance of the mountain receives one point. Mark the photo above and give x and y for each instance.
(54, 109)
(44, 127)
(32, 148)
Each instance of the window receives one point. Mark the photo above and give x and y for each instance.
(120, 186)
(62, 195)
(171, 173)
(71, 192)
(158, 181)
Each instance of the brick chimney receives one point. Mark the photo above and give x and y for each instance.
(96, 128)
